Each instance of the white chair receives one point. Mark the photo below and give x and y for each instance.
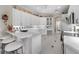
(3, 36)
(14, 47)
(5, 42)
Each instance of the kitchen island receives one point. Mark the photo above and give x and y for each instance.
(71, 45)
(31, 41)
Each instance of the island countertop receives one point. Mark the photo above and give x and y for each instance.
(23, 34)
(72, 42)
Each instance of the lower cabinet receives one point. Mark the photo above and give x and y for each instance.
(32, 45)
(36, 44)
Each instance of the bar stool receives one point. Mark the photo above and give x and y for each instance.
(14, 47)
(5, 42)
(3, 36)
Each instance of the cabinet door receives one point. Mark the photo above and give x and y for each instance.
(43, 21)
(16, 17)
(36, 44)
(25, 19)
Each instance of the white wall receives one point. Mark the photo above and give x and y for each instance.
(5, 9)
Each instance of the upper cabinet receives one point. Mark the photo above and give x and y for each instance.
(21, 18)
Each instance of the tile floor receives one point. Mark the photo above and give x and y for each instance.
(51, 44)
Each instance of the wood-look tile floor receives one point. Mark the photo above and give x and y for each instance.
(51, 44)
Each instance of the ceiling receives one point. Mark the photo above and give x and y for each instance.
(46, 10)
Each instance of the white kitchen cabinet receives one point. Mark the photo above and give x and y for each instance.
(32, 45)
(36, 44)
(71, 45)
(24, 19)
(16, 17)
(43, 20)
